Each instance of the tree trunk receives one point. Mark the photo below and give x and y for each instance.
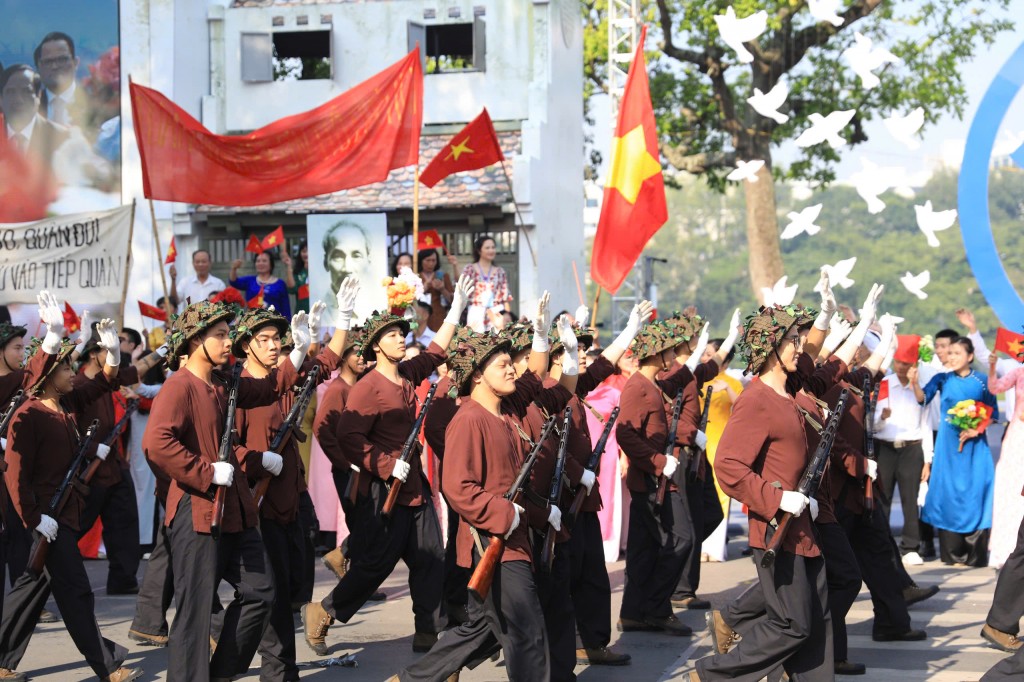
(763, 232)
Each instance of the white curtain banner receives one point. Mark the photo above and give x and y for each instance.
(81, 257)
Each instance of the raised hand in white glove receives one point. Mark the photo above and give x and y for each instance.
(702, 343)
(671, 464)
(223, 473)
(700, 439)
(555, 517)
(102, 451)
(888, 324)
(163, 350)
(828, 302)
(84, 331)
(582, 315)
(401, 470)
(109, 341)
(53, 317)
(540, 324)
(872, 469)
(793, 502)
(571, 358)
(732, 335)
(839, 329)
(870, 308)
(460, 299)
(301, 338)
(3, 443)
(316, 313)
(273, 463)
(587, 480)
(637, 317)
(517, 511)
(813, 504)
(347, 293)
(889, 355)
(47, 527)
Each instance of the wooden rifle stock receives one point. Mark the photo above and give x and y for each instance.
(594, 464)
(289, 429)
(95, 463)
(670, 447)
(407, 450)
(547, 552)
(227, 441)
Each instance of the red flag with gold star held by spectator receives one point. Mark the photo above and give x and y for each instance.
(1010, 343)
(475, 146)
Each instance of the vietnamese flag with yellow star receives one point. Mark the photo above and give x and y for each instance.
(475, 146)
(1010, 343)
(634, 205)
(275, 238)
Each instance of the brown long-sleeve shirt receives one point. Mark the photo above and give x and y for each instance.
(325, 424)
(848, 469)
(183, 435)
(10, 384)
(109, 472)
(377, 419)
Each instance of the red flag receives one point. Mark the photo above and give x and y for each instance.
(254, 245)
(1010, 343)
(883, 390)
(430, 239)
(634, 205)
(152, 312)
(275, 238)
(354, 139)
(72, 323)
(303, 292)
(257, 300)
(172, 254)
(475, 146)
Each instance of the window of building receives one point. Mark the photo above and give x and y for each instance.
(450, 48)
(286, 56)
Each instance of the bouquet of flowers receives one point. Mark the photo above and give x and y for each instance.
(926, 348)
(969, 415)
(403, 291)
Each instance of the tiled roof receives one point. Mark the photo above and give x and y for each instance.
(483, 187)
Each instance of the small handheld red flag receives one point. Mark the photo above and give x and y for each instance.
(303, 292)
(475, 146)
(430, 239)
(152, 312)
(72, 323)
(254, 245)
(883, 390)
(1010, 343)
(275, 238)
(257, 300)
(172, 253)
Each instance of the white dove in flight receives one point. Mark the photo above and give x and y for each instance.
(767, 104)
(931, 221)
(873, 180)
(915, 284)
(904, 128)
(826, 10)
(864, 58)
(737, 31)
(839, 274)
(826, 129)
(779, 294)
(802, 222)
(745, 170)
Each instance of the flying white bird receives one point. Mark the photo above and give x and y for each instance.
(864, 58)
(802, 222)
(873, 180)
(779, 294)
(737, 31)
(904, 128)
(839, 274)
(915, 284)
(930, 221)
(826, 129)
(767, 104)
(745, 170)
(826, 10)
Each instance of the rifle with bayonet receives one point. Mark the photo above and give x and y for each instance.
(594, 465)
(670, 447)
(227, 443)
(547, 552)
(408, 449)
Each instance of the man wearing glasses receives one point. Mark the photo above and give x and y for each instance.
(57, 63)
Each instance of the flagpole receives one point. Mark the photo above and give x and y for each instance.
(160, 257)
(416, 215)
(127, 264)
(593, 315)
(515, 203)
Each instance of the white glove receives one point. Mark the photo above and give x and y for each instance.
(872, 469)
(571, 358)
(582, 315)
(347, 293)
(102, 451)
(814, 509)
(301, 338)
(888, 325)
(3, 444)
(671, 464)
(223, 473)
(870, 309)
(637, 317)
(273, 463)
(540, 325)
(515, 519)
(734, 333)
(828, 302)
(922, 493)
(47, 527)
(839, 329)
(163, 350)
(889, 355)
(793, 502)
(401, 470)
(702, 343)
(84, 332)
(460, 299)
(555, 517)
(109, 341)
(587, 480)
(53, 317)
(316, 312)
(700, 439)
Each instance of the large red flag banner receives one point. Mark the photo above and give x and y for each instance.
(475, 146)
(355, 139)
(634, 206)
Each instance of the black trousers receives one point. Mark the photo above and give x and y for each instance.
(65, 571)
(456, 578)
(157, 588)
(843, 577)
(795, 633)
(510, 619)
(588, 582)
(964, 548)
(553, 589)
(411, 534)
(656, 550)
(705, 515)
(1010, 668)
(285, 548)
(17, 541)
(1008, 601)
(199, 564)
(901, 467)
(309, 525)
(117, 507)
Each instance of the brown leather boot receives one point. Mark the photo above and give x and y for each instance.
(123, 675)
(146, 639)
(601, 656)
(316, 620)
(12, 676)
(1003, 641)
(335, 562)
(723, 637)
